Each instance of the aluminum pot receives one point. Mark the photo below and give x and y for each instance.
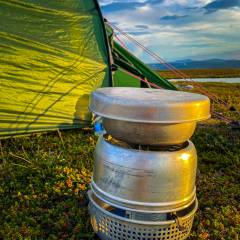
(109, 225)
(149, 116)
(149, 133)
(159, 181)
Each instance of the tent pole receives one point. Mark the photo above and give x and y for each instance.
(110, 58)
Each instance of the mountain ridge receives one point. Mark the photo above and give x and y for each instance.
(199, 64)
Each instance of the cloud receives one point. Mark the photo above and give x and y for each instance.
(118, 6)
(178, 29)
(173, 17)
(141, 26)
(221, 4)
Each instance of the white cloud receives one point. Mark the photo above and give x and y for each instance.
(198, 35)
(144, 9)
(187, 3)
(107, 2)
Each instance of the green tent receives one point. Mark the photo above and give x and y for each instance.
(53, 55)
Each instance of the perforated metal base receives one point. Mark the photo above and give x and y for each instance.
(109, 226)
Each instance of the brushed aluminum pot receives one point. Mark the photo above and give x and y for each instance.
(159, 181)
(149, 116)
(149, 133)
(110, 226)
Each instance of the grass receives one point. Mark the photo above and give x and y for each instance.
(229, 93)
(203, 73)
(44, 178)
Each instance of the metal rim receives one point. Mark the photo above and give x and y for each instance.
(188, 145)
(195, 107)
(160, 223)
(142, 206)
(148, 121)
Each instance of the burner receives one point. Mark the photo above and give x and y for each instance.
(143, 184)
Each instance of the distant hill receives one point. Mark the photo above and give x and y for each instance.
(204, 64)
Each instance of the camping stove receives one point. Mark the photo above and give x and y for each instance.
(143, 184)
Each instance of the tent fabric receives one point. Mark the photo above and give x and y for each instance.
(121, 79)
(127, 61)
(53, 55)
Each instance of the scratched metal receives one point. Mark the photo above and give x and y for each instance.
(145, 180)
(109, 226)
(149, 116)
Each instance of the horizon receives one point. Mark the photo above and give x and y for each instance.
(179, 29)
(199, 60)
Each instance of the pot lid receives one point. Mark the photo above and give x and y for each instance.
(149, 105)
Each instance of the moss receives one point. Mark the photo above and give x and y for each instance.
(44, 178)
(203, 73)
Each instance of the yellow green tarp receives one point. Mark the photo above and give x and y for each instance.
(127, 63)
(52, 55)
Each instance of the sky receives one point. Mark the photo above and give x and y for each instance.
(179, 29)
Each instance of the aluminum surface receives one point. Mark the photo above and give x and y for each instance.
(149, 180)
(110, 226)
(149, 105)
(149, 133)
(142, 207)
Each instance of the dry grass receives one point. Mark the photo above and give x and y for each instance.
(44, 178)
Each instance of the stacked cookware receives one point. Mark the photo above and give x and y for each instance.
(143, 185)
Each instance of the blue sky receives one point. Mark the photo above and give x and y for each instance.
(179, 29)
